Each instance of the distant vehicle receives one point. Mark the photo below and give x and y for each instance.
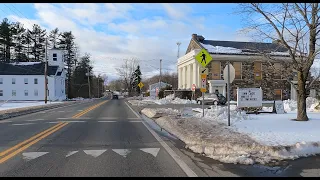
(115, 96)
(216, 99)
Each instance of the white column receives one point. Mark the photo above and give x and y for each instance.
(189, 76)
(179, 77)
(194, 77)
(184, 77)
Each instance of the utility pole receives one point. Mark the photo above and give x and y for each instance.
(159, 79)
(98, 86)
(46, 74)
(178, 43)
(89, 82)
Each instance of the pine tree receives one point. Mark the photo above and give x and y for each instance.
(137, 79)
(20, 41)
(54, 37)
(37, 37)
(7, 32)
(66, 42)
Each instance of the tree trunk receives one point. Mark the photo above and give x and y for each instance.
(302, 95)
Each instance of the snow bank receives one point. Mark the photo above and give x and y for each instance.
(25, 63)
(291, 105)
(221, 49)
(22, 104)
(170, 99)
(250, 138)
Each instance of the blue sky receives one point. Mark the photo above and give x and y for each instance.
(146, 31)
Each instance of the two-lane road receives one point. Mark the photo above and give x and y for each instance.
(99, 138)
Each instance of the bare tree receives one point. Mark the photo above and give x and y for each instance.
(125, 72)
(295, 26)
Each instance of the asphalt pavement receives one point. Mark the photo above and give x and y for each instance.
(108, 138)
(99, 138)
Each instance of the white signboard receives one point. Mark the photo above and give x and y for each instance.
(279, 107)
(249, 97)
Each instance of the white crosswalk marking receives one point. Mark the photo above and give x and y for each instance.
(22, 124)
(153, 151)
(94, 153)
(71, 153)
(122, 152)
(35, 120)
(32, 155)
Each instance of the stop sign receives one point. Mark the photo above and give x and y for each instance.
(193, 87)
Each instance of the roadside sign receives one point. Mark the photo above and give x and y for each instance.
(193, 87)
(204, 70)
(140, 85)
(203, 57)
(232, 73)
(249, 97)
(279, 107)
(203, 83)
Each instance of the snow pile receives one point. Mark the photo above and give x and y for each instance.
(280, 53)
(220, 114)
(23, 104)
(291, 105)
(170, 99)
(25, 63)
(221, 49)
(250, 138)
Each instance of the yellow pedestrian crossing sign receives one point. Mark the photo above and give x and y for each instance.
(203, 57)
(140, 85)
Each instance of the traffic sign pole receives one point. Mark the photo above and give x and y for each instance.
(203, 104)
(228, 89)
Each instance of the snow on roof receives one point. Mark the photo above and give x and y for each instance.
(221, 49)
(24, 63)
(232, 50)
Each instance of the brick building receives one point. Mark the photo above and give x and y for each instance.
(252, 69)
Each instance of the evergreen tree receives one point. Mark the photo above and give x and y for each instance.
(7, 32)
(54, 37)
(37, 37)
(20, 41)
(66, 42)
(137, 79)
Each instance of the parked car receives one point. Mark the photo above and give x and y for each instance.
(115, 96)
(217, 99)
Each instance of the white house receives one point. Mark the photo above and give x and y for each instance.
(26, 80)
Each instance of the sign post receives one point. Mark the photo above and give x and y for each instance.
(228, 75)
(204, 58)
(193, 89)
(203, 89)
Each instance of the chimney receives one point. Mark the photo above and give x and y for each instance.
(194, 36)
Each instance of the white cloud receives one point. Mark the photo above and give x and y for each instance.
(148, 38)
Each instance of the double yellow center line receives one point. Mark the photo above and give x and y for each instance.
(88, 110)
(11, 152)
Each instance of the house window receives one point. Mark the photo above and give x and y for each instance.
(216, 70)
(238, 69)
(14, 93)
(257, 70)
(13, 80)
(25, 80)
(35, 92)
(35, 81)
(1, 92)
(1, 81)
(278, 94)
(54, 56)
(25, 92)
(277, 71)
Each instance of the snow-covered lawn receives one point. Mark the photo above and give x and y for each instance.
(22, 104)
(167, 100)
(250, 138)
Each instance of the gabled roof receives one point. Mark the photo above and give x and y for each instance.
(26, 69)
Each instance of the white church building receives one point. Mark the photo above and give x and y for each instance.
(25, 81)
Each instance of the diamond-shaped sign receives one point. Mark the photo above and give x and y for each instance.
(203, 57)
(140, 85)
